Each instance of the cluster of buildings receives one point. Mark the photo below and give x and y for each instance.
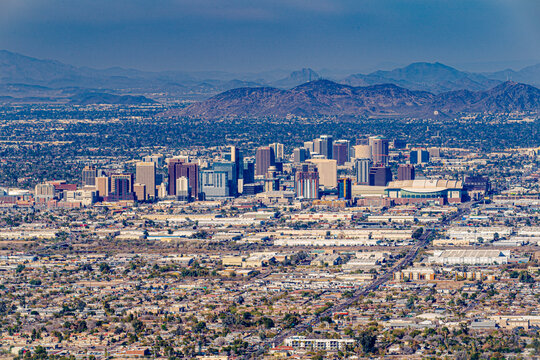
(323, 169)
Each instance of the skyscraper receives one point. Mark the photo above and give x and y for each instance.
(103, 185)
(264, 158)
(178, 168)
(380, 175)
(89, 174)
(278, 150)
(306, 181)
(327, 146)
(419, 156)
(327, 170)
(128, 185)
(145, 173)
(379, 150)
(362, 171)
(340, 151)
(362, 152)
(300, 155)
(405, 172)
(232, 174)
(345, 189)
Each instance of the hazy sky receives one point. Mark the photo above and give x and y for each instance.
(254, 35)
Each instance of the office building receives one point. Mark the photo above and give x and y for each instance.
(44, 192)
(264, 158)
(103, 185)
(345, 189)
(300, 155)
(379, 150)
(326, 146)
(156, 159)
(306, 181)
(140, 192)
(121, 188)
(309, 146)
(214, 184)
(89, 175)
(327, 170)
(278, 150)
(419, 156)
(183, 190)
(128, 183)
(232, 175)
(145, 173)
(317, 147)
(362, 167)
(405, 172)
(248, 171)
(178, 168)
(362, 151)
(340, 152)
(380, 175)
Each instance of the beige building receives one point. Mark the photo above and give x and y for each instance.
(103, 185)
(146, 174)
(327, 171)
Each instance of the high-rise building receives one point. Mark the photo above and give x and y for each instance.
(249, 171)
(278, 150)
(214, 184)
(327, 146)
(183, 191)
(232, 174)
(300, 155)
(362, 151)
(128, 183)
(405, 172)
(121, 188)
(380, 175)
(140, 191)
(89, 175)
(264, 158)
(178, 168)
(317, 147)
(419, 156)
(340, 151)
(345, 189)
(327, 170)
(44, 192)
(379, 150)
(309, 146)
(103, 185)
(156, 158)
(362, 171)
(145, 173)
(306, 181)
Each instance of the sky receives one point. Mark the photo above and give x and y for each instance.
(258, 35)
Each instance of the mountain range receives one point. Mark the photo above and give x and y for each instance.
(27, 79)
(327, 98)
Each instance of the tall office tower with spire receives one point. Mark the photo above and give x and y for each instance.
(145, 173)
(379, 150)
(264, 158)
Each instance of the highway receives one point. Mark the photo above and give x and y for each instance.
(256, 350)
